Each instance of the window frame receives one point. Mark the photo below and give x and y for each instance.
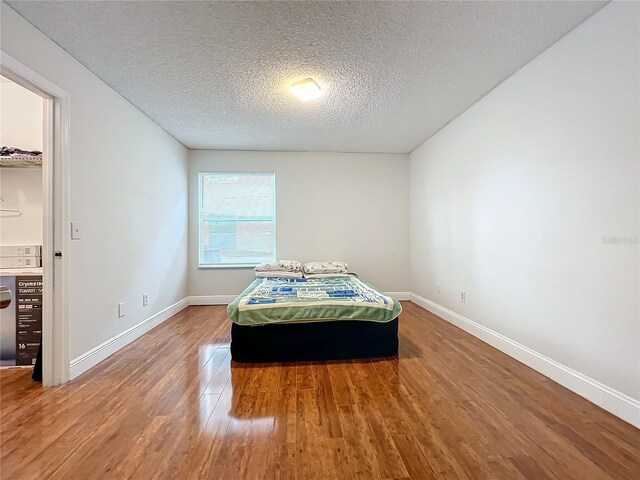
(207, 266)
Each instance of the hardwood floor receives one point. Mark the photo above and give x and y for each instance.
(172, 405)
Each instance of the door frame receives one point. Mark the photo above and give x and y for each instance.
(56, 225)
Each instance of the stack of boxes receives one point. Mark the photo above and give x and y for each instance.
(21, 304)
(20, 256)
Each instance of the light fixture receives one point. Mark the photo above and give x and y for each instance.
(306, 89)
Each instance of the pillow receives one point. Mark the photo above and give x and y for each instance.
(279, 274)
(280, 266)
(325, 267)
(326, 275)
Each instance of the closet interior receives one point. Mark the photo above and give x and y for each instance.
(21, 226)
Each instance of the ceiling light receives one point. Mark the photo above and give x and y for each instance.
(306, 89)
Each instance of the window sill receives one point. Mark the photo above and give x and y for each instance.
(218, 267)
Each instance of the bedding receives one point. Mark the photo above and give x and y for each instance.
(326, 275)
(281, 300)
(325, 267)
(279, 274)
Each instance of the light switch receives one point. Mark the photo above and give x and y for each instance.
(75, 231)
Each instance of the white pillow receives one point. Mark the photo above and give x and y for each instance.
(326, 275)
(325, 267)
(280, 266)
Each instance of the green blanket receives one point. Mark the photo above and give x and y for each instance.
(280, 300)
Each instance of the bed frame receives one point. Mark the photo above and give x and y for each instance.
(297, 342)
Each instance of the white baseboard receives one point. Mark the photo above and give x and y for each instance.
(94, 356)
(211, 299)
(617, 403)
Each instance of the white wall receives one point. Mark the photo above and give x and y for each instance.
(128, 191)
(330, 206)
(513, 202)
(20, 117)
(21, 188)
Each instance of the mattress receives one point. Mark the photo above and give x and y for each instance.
(287, 300)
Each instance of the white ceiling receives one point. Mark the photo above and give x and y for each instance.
(217, 74)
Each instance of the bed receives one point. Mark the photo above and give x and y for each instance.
(306, 319)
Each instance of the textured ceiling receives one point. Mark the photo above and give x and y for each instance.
(217, 74)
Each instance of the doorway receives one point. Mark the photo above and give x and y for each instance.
(21, 225)
(52, 252)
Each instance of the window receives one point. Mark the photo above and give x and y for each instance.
(237, 219)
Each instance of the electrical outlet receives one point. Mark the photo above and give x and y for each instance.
(145, 299)
(437, 288)
(121, 310)
(463, 296)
